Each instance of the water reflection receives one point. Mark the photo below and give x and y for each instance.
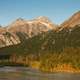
(22, 73)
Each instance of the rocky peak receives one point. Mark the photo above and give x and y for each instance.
(43, 19)
(20, 19)
(18, 22)
(35, 26)
(77, 14)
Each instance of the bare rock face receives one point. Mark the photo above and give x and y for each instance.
(7, 39)
(10, 35)
(31, 27)
(72, 21)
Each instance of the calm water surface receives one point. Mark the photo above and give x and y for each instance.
(22, 73)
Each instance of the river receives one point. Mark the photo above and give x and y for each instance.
(23, 73)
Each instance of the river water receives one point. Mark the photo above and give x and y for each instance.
(22, 73)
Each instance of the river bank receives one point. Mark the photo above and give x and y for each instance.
(26, 73)
(67, 68)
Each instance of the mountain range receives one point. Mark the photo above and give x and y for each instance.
(42, 33)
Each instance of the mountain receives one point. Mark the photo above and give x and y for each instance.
(31, 27)
(72, 21)
(11, 34)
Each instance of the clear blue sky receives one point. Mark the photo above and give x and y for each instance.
(56, 10)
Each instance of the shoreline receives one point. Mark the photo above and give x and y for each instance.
(65, 68)
(61, 71)
(55, 70)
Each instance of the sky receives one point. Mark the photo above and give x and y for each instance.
(56, 10)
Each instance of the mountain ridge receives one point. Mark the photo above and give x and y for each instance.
(72, 21)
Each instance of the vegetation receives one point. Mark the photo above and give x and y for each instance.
(51, 51)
